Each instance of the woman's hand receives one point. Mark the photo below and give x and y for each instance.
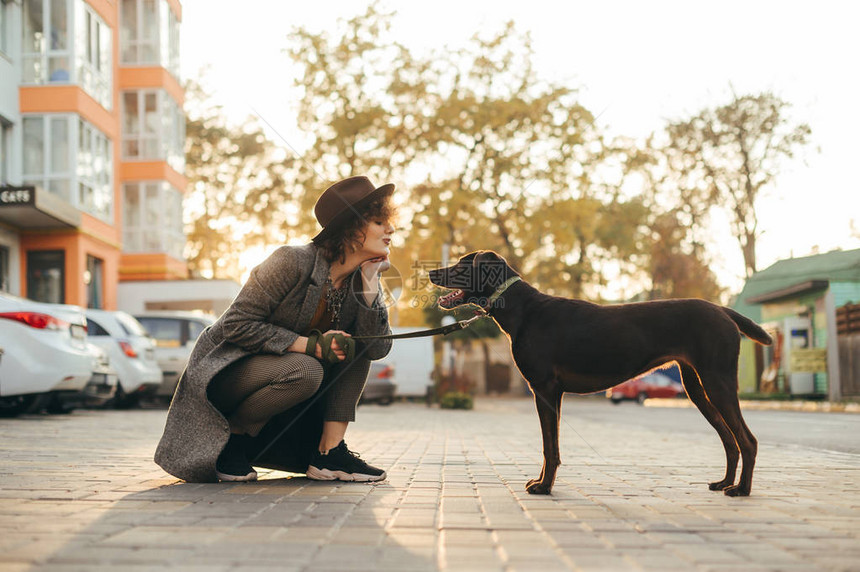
(370, 271)
(374, 266)
(301, 346)
(338, 351)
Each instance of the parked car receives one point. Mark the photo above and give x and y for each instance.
(100, 390)
(46, 355)
(654, 384)
(175, 333)
(381, 387)
(131, 352)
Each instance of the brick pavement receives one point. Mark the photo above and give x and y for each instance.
(80, 492)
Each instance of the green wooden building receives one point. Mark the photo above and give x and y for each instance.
(796, 299)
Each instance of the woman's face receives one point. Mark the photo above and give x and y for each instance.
(377, 238)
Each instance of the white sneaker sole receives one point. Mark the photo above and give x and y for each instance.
(327, 475)
(252, 476)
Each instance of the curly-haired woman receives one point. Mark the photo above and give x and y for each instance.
(276, 380)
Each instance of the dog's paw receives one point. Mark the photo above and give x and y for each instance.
(720, 485)
(536, 487)
(736, 491)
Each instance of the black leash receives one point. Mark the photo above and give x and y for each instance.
(444, 330)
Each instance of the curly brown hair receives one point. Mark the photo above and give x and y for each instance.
(351, 235)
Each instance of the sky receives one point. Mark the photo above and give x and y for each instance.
(638, 64)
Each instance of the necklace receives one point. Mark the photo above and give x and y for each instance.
(334, 298)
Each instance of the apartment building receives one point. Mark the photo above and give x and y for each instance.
(91, 148)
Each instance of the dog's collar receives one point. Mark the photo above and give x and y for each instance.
(501, 290)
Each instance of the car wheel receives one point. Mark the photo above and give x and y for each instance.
(386, 401)
(641, 398)
(615, 400)
(17, 404)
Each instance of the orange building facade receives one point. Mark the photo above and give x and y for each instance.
(91, 149)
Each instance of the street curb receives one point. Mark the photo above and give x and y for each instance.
(814, 406)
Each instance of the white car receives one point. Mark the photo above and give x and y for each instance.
(175, 334)
(131, 351)
(45, 351)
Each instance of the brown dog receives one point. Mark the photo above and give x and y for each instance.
(562, 345)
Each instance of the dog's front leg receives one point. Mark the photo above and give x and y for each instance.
(548, 403)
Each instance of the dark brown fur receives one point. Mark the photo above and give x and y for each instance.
(562, 345)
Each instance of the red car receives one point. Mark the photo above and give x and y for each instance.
(652, 385)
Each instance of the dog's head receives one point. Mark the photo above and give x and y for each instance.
(473, 278)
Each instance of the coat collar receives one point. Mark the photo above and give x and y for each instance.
(322, 267)
(317, 279)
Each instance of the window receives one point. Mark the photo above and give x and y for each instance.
(47, 153)
(94, 279)
(166, 331)
(93, 329)
(4, 268)
(150, 34)
(93, 54)
(46, 52)
(3, 35)
(53, 144)
(153, 128)
(46, 276)
(94, 172)
(195, 329)
(152, 218)
(5, 146)
(59, 32)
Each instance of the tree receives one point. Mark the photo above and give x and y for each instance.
(728, 156)
(520, 172)
(676, 269)
(509, 162)
(237, 196)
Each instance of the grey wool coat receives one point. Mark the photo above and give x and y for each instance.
(278, 301)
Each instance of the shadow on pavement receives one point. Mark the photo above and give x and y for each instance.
(288, 523)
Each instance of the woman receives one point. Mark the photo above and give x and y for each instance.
(271, 383)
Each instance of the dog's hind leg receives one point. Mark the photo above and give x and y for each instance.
(696, 393)
(548, 403)
(722, 391)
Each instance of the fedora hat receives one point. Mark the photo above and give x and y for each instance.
(344, 201)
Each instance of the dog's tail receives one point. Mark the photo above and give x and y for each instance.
(749, 328)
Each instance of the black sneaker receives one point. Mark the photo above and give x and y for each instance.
(232, 464)
(342, 464)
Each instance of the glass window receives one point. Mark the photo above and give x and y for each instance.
(152, 218)
(94, 172)
(34, 146)
(195, 329)
(46, 276)
(3, 18)
(79, 174)
(150, 34)
(4, 268)
(153, 128)
(94, 329)
(5, 145)
(45, 48)
(92, 55)
(166, 331)
(33, 29)
(59, 138)
(94, 279)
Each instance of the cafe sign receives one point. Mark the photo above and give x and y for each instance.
(17, 196)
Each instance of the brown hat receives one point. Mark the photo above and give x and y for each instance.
(344, 201)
